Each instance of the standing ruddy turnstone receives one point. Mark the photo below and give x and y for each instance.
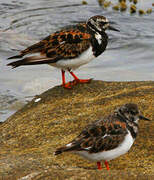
(108, 137)
(69, 48)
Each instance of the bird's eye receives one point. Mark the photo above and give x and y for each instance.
(103, 23)
(132, 112)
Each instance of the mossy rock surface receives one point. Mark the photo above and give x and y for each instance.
(30, 137)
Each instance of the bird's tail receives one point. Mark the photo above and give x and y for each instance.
(16, 57)
(66, 148)
(62, 149)
(32, 60)
(16, 63)
(59, 151)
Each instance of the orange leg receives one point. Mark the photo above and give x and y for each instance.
(63, 77)
(99, 165)
(74, 82)
(107, 165)
(77, 80)
(64, 84)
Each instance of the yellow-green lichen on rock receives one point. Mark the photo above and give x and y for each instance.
(52, 119)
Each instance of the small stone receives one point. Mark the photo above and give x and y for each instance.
(37, 100)
(101, 2)
(132, 9)
(141, 12)
(149, 11)
(123, 6)
(135, 1)
(120, 1)
(84, 2)
(107, 4)
(116, 7)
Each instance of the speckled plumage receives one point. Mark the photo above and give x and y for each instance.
(109, 137)
(71, 43)
(65, 44)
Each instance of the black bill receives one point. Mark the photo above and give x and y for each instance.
(112, 28)
(143, 118)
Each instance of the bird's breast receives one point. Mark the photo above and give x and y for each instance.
(76, 62)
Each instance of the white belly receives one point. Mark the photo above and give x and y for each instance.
(84, 58)
(108, 155)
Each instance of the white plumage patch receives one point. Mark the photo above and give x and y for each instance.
(68, 145)
(74, 63)
(111, 154)
(98, 38)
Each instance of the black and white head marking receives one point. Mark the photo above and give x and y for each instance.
(98, 23)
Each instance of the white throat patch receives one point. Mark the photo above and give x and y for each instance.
(98, 38)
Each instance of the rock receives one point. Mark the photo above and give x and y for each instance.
(100, 2)
(30, 136)
(106, 4)
(141, 12)
(135, 1)
(123, 6)
(149, 11)
(132, 9)
(116, 7)
(84, 2)
(122, 1)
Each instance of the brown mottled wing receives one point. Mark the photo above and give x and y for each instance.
(65, 44)
(99, 136)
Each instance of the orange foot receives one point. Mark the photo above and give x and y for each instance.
(78, 81)
(68, 85)
(99, 166)
(107, 165)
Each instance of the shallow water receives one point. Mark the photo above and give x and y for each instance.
(129, 55)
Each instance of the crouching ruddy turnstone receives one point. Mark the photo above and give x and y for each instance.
(69, 48)
(107, 138)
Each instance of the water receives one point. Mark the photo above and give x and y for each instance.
(129, 55)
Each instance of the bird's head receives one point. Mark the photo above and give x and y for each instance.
(99, 23)
(131, 112)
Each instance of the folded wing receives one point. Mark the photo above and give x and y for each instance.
(64, 44)
(98, 137)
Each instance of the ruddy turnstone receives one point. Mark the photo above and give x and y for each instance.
(69, 48)
(108, 137)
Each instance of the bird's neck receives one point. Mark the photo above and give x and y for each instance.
(133, 128)
(132, 124)
(99, 42)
